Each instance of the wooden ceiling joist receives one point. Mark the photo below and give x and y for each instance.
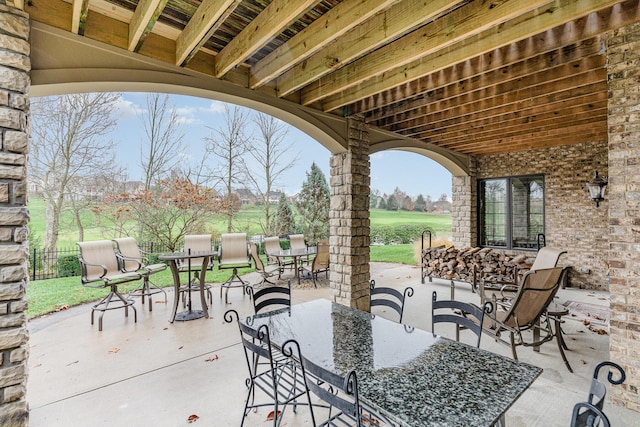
(143, 20)
(79, 17)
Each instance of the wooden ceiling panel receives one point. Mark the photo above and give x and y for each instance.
(471, 76)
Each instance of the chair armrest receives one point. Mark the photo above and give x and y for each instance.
(84, 265)
(124, 258)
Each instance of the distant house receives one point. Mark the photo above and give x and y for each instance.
(274, 197)
(246, 196)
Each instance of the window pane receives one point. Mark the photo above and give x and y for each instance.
(527, 204)
(493, 212)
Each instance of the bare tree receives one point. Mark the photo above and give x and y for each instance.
(159, 152)
(269, 152)
(229, 145)
(68, 145)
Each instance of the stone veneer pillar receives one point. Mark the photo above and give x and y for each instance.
(349, 219)
(464, 228)
(623, 57)
(14, 252)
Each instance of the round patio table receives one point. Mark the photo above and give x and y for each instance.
(295, 254)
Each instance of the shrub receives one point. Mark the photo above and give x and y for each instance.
(397, 235)
(68, 266)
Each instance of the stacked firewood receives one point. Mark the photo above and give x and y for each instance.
(458, 264)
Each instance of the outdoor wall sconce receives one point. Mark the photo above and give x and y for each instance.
(597, 187)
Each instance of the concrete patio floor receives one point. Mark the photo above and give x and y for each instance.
(154, 373)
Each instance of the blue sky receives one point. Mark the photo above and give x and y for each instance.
(412, 173)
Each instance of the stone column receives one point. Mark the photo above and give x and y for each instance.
(623, 57)
(464, 212)
(14, 251)
(349, 219)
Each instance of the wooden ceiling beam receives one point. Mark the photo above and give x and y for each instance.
(370, 35)
(543, 82)
(471, 19)
(322, 32)
(210, 14)
(487, 69)
(276, 17)
(519, 28)
(80, 9)
(142, 21)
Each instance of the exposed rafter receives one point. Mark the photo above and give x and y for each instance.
(143, 20)
(79, 17)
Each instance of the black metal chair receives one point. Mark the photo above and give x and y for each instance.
(280, 383)
(389, 297)
(464, 315)
(270, 298)
(590, 414)
(339, 393)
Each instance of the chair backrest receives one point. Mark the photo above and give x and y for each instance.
(536, 293)
(464, 315)
(340, 392)
(256, 257)
(297, 241)
(270, 298)
(99, 253)
(590, 413)
(389, 297)
(128, 248)
(321, 260)
(547, 258)
(196, 243)
(272, 245)
(234, 250)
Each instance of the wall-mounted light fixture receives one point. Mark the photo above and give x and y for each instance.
(597, 187)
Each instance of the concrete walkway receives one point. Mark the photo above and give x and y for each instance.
(154, 373)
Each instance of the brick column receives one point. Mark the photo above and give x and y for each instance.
(14, 251)
(349, 219)
(464, 213)
(623, 55)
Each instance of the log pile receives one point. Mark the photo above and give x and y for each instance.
(458, 264)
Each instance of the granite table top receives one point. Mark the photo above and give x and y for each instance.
(410, 376)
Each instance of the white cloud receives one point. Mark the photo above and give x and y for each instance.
(128, 109)
(215, 107)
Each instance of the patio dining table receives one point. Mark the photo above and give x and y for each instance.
(295, 254)
(408, 376)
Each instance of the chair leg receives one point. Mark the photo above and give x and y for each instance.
(513, 347)
(103, 306)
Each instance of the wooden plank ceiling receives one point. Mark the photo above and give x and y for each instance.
(475, 76)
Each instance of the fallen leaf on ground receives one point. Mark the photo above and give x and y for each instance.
(595, 316)
(63, 308)
(180, 348)
(585, 322)
(211, 358)
(598, 331)
(192, 418)
(161, 301)
(114, 350)
(271, 414)
(71, 363)
(602, 298)
(584, 362)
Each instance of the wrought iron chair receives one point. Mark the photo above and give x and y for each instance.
(233, 253)
(464, 315)
(270, 298)
(389, 297)
(589, 413)
(320, 262)
(280, 383)
(525, 311)
(133, 259)
(339, 393)
(195, 243)
(100, 269)
(260, 267)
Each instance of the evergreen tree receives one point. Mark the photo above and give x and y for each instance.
(383, 203)
(285, 222)
(392, 203)
(313, 205)
(420, 203)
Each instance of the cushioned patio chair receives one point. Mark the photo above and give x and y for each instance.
(388, 297)
(100, 269)
(261, 269)
(133, 259)
(193, 266)
(525, 311)
(589, 413)
(320, 263)
(233, 254)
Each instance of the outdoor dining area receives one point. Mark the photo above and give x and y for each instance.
(275, 350)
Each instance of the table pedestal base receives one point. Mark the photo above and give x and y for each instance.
(189, 315)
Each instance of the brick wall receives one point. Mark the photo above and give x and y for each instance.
(623, 56)
(14, 251)
(349, 220)
(572, 221)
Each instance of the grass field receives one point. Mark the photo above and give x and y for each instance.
(46, 296)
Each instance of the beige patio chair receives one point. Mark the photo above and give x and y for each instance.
(272, 245)
(133, 259)
(260, 267)
(296, 241)
(100, 269)
(320, 262)
(195, 243)
(233, 254)
(525, 311)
